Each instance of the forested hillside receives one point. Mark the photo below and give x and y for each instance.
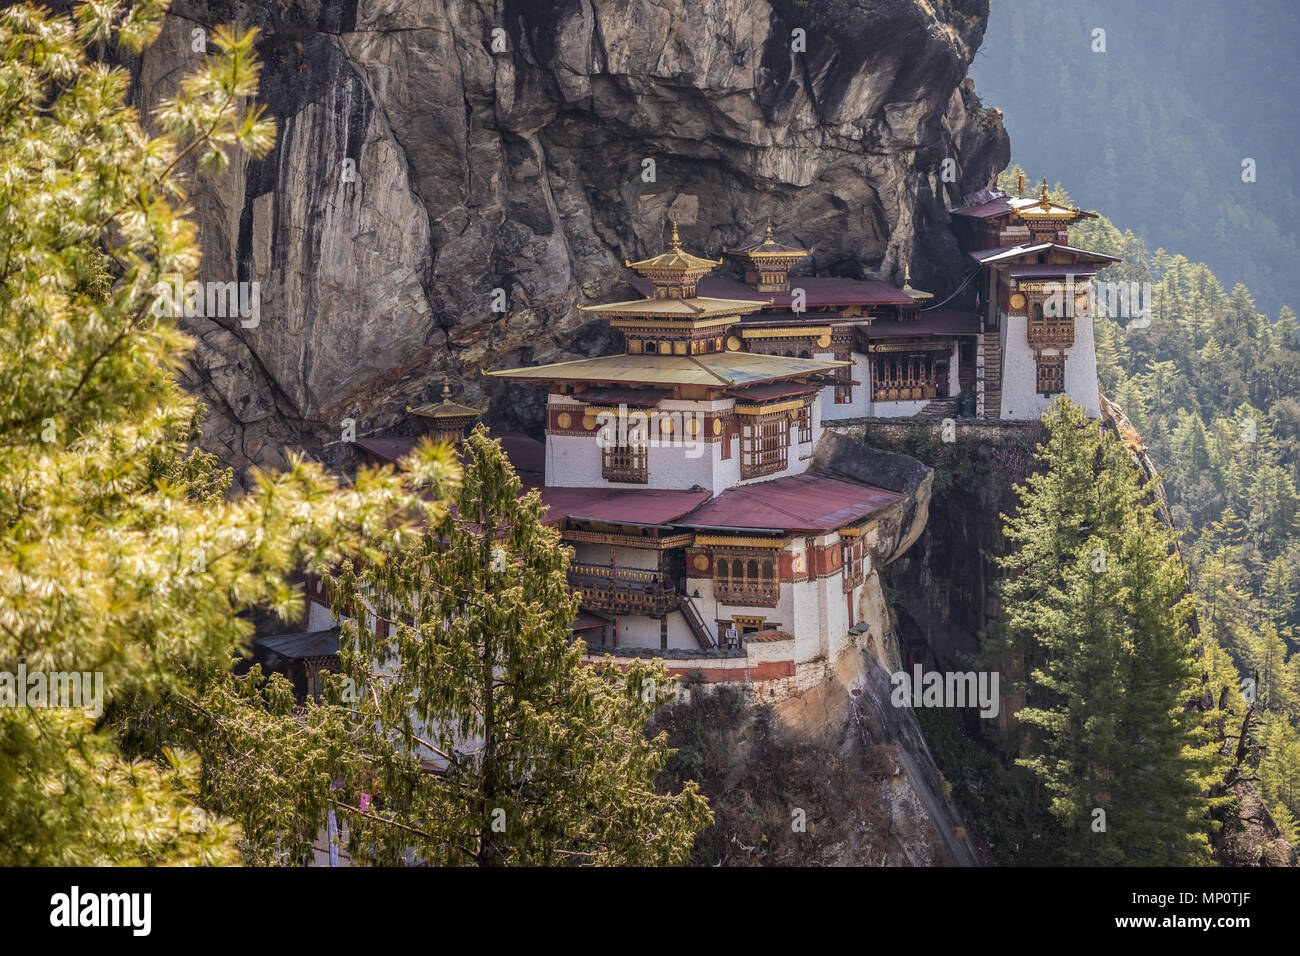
(1211, 387)
(1159, 123)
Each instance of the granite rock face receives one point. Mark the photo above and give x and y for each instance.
(431, 153)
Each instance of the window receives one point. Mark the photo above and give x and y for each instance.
(1057, 331)
(1051, 374)
(764, 445)
(900, 376)
(844, 392)
(625, 463)
(853, 566)
(805, 424)
(750, 580)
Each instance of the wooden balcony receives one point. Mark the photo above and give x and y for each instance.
(763, 593)
(1051, 333)
(623, 590)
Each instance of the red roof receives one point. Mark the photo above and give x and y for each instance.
(643, 506)
(938, 322)
(390, 450)
(806, 502)
(295, 647)
(985, 210)
(525, 454)
(760, 393)
(819, 291)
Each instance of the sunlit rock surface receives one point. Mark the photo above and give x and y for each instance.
(417, 169)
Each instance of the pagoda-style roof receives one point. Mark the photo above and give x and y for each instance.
(446, 409)
(1008, 254)
(1043, 209)
(715, 369)
(768, 248)
(691, 309)
(674, 272)
(1036, 209)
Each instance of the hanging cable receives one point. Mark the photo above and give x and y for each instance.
(964, 282)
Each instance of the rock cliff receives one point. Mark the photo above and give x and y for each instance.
(431, 153)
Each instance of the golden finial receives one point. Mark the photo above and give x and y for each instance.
(1020, 187)
(767, 236)
(674, 242)
(446, 391)
(1042, 194)
(907, 273)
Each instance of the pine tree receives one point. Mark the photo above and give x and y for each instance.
(465, 709)
(1095, 603)
(121, 556)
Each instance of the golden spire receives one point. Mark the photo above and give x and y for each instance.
(917, 294)
(767, 236)
(1042, 194)
(674, 272)
(1020, 187)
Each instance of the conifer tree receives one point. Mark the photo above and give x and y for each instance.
(120, 556)
(469, 664)
(1095, 601)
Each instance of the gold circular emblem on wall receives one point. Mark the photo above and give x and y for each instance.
(717, 426)
(1080, 303)
(564, 420)
(733, 344)
(666, 426)
(693, 427)
(588, 421)
(824, 340)
(701, 562)
(1018, 301)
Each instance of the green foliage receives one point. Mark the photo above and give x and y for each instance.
(1097, 621)
(1157, 127)
(1211, 386)
(465, 708)
(120, 553)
